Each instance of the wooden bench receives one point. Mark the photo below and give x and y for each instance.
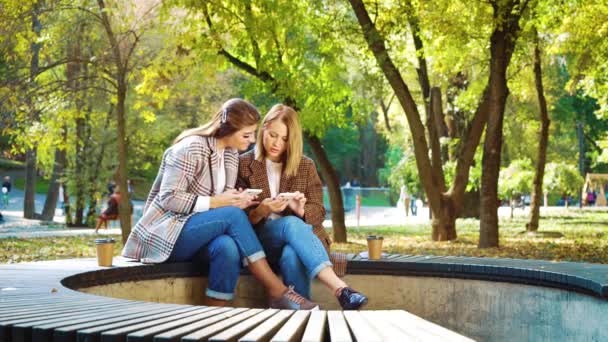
(38, 304)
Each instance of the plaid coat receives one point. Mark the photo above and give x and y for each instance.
(182, 177)
(252, 174)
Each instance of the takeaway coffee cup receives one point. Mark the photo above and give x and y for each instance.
(374, 247)
(105, 251)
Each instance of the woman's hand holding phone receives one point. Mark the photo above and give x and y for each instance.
(296, 204)
(273, 206)
(236, 198)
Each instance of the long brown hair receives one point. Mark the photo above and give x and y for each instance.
(293, 153)
(234, 115)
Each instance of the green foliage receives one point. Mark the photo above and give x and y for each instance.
(42, 185)
(516, 179)
(400, 169)
(302, 61)
(449, 170)
(562, 178)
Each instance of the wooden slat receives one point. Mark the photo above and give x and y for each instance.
(175, 334)
(43, 333)
(68, 333)
(378, 320)
(338, 329)
(94, 333)
(266, 330)
(239, 330)
(315, 329)
(148, 333)
(361, 329)
(51, 310)
(23, 331)
(16, 304)
(119, 334)
(61, 315)
(421, 324)
(293, 329)
(209, 331)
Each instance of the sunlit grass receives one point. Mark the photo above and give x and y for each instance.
(569, 235)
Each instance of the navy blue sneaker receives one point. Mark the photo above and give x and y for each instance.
(350, 299)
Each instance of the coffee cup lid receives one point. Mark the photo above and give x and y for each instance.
(105, 240)
(375, 237)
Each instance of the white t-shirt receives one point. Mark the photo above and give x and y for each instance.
(274, 180)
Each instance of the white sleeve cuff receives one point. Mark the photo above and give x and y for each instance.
(202, 203)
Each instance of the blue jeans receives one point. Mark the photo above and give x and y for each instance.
(224, 238)
(294, 250)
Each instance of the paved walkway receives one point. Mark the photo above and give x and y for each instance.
(16, 226)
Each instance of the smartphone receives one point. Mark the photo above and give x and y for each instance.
(252, 192)
(287, 195)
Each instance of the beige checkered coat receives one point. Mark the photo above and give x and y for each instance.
(252, 174)
(183, 175)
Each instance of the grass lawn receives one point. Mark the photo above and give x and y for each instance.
(42, 185)
(569, 235)
(565, 236)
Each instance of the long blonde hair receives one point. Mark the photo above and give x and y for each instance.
(234, 115)
(293, 153)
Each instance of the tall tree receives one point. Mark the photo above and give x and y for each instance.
(507, 15)
(123, 44)
(29, 205)
(537, 189)
(445, 204)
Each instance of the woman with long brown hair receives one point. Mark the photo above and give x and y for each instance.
(194, 209)
(289, 218)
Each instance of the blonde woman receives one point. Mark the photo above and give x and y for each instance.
(289, 218)
(194, 209)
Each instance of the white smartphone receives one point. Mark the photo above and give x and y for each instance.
(252, 192)
(287, 195)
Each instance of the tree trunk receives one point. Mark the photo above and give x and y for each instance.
(97, 164)
(29, 204)
(333, 188)
(537, 190)
(488, 225)
(121, 77)
(439, 120)
(385, 108)
(48, 213)
(79, 173)
(444, 221)
(67, 210)
(124, 207)
(501, 48)
(470, 206)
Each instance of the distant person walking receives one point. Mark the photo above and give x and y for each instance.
(61, 199)
(414, 206)
(6, 190)
(591, 198)
(405, 199)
